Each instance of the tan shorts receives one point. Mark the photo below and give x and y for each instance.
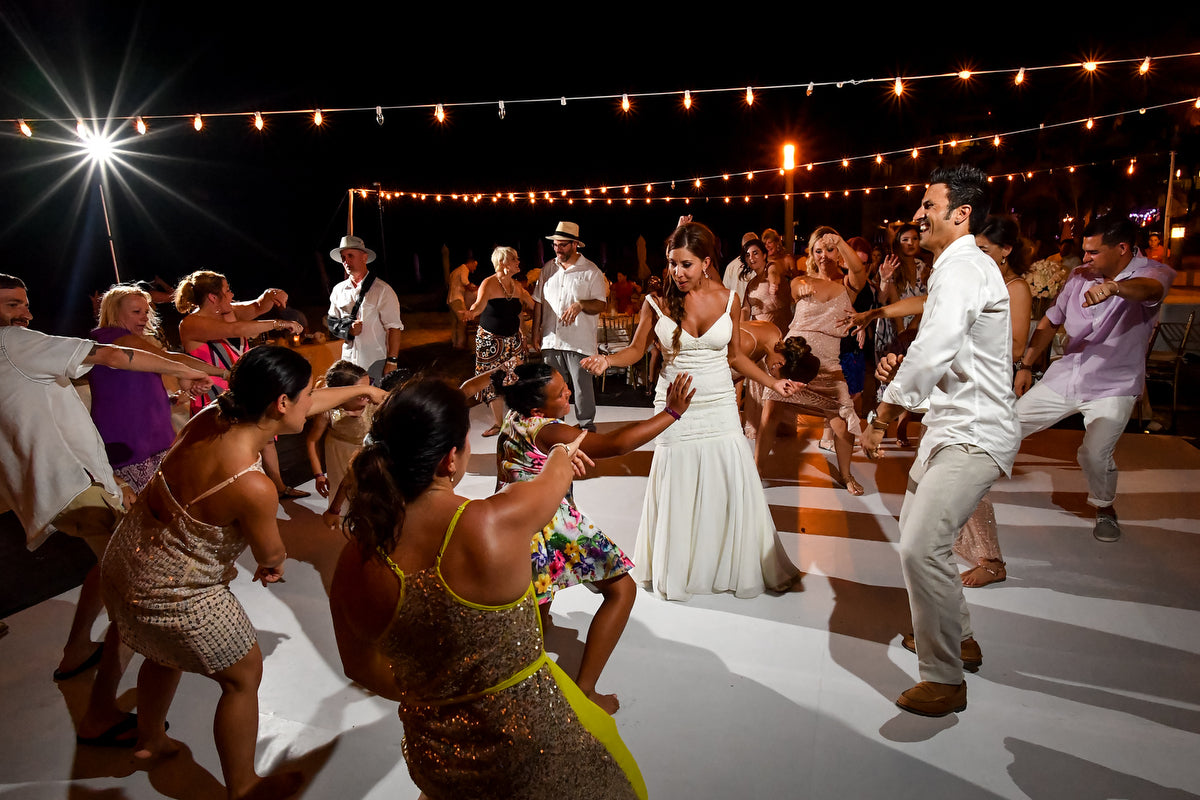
(92, 516)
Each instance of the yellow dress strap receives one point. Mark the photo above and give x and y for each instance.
(450, 531)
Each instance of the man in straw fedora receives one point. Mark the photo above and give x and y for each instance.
(364, 311)
(570, 294)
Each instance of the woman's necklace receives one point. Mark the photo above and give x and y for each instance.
(508, 290)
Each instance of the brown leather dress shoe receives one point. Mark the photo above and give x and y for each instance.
(931, 699)
(972, 654)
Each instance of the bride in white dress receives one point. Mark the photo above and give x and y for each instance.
(705, 523)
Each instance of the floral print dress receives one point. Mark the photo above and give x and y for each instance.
(570, 549)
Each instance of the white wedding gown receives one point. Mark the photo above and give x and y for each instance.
(705, 523)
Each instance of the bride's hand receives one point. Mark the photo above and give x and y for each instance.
(595, 364)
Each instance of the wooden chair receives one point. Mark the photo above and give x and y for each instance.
(1164, 366)
(616, 331)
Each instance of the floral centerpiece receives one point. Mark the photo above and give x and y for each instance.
(1046, 278)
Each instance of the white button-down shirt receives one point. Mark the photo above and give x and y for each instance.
(380, 312)
(960, 365)
(556, 291)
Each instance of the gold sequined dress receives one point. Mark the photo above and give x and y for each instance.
(486, 713)
(166, 585)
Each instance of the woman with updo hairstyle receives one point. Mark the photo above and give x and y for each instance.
(168, 566)
(132, 410)
(823, 301)
(570, 549)
(433, 608)
(215, 330)
(705, 523)
(498, 339)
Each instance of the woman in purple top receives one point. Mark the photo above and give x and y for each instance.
(132, 410)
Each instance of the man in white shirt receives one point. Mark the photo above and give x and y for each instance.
(54, 473)
(570, 294)
(369, 323)
(960, 369)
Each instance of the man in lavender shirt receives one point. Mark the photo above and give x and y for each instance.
(1108, 308)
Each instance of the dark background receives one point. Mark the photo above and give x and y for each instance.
(265, 208)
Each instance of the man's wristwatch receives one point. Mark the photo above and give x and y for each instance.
(393, 359)
(875, 422)
(1019, 365)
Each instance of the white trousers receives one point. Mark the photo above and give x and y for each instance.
(1104, 421)
(940, 498)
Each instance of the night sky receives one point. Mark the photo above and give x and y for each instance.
(266, 207)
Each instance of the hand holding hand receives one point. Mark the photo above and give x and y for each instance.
(595, 364)
(678, 395)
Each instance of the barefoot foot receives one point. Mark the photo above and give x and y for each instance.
(272, 787)
(164, 747)
(854, 487)
(607, 702)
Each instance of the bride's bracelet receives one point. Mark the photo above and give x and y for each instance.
(566, 448)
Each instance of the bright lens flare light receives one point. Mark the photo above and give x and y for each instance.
(789, 156)
(141, 126)
(99, 149)
(25, 129)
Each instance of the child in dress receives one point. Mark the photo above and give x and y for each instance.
(570, 549)
(343, 429)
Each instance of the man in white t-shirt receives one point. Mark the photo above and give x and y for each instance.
(372, 329)
(570, 294)
(54, 473)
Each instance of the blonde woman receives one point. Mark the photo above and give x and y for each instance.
(498, 308)
(132, 410)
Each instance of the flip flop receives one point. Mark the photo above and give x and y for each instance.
(492, 431)
(292, 493)
(112, 736)
(88, 663)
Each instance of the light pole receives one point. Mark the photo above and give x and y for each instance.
(789, 167)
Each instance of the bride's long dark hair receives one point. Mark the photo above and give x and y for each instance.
(698, 240)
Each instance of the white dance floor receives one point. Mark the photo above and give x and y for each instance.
(1090, 686)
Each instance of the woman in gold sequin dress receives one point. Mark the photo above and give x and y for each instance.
(433, 607)
(167, 569)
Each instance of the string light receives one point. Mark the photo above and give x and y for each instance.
(379, 113)
(954, 142)
(687, 98)
(258, 120)
(899, 87)
(81, 130)
(845, 162)
(965, 74)
(1020, 77)
(440, 113)
(501, 110)
(1090, 66)
(140, 124)
(1145, 67)
(25, 129)
(878, 159)
(625, 102)
(749, 96)
(808, 92)
(198, 123)
(318, 118)
(914, 152)
(996, 141)
(1091, 123)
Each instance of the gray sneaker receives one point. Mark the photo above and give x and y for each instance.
(1107, 528)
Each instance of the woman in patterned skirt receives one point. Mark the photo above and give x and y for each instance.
(498, 341)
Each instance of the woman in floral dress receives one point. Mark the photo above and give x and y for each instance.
(570, 549)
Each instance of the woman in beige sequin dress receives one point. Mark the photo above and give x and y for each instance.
(433, 607)
(823, 301)
(167, 568)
